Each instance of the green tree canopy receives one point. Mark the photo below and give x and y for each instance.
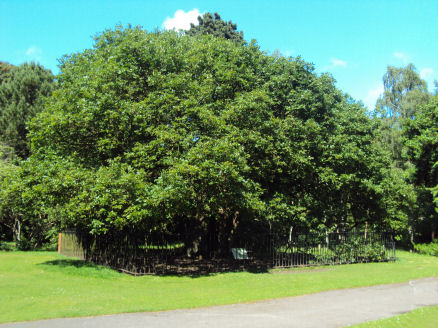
(404, 93)
(212, 24)
(421, 138)
(21, 97)
(4, 70)
(163, 131)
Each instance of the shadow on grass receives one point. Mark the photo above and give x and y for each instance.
(68, 263)
(202, 268)
(192, 269)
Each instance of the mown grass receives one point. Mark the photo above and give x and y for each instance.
(426, 317)
(41, 285)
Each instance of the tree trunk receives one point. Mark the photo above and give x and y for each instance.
(17, 229)
(411, 230)
(225, 230)
(290, 233)
(366, 230)
(195, 236)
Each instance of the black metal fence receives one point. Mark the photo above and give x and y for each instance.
(332, 248)
(161, 253)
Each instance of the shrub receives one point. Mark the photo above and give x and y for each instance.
(428, 249)
(7, 246)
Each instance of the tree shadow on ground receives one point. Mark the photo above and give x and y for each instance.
(179, 268)
(77, 263)
(200, 268)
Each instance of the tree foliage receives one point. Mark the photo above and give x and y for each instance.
(404, 93)
(22, 90)
(421, 138)
(408, 126)
(404, 90)
(4, 70)
(21, 97)
(201, 135)
(212, 24)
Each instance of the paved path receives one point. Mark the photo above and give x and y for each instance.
(336, 308)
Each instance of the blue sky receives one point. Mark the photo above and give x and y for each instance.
(354, 40)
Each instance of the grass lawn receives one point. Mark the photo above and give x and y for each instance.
(426, 317)
(40, 285)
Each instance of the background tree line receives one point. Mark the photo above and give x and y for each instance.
(407, 113)
(202, 133)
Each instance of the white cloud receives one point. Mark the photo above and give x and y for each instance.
(338, 62)
(426, 72)
(402, 56)
(288, 53)
(335, 62)
(372, 96)
(181, 20)
(34, 53)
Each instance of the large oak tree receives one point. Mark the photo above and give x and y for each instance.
(200, 135)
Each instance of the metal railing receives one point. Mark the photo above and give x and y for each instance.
(161, 253)
(332, 248)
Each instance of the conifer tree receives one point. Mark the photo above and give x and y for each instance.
(212, 24)
(21, 97)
